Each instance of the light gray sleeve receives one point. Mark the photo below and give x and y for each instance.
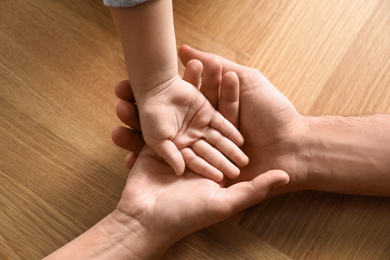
(123, 3)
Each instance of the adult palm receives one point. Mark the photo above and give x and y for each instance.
(171, 207)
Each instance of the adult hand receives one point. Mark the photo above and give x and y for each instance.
(270, 124)
(167, 207)
(158, 207)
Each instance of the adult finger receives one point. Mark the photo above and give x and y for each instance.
(127, 139)
(130, 160)
(228, 104)
(187, 53)
(127, 112)
(123, 91)
(211, 80)
(193, 73)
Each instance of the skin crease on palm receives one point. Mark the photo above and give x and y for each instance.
(268, 121)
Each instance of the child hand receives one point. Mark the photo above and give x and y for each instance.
(181, 125)
(195, 149)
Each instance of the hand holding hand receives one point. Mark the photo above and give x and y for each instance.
(270, 124)
(157, 207)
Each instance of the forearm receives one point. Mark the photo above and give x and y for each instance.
(149, 45)
(348, 154)
(115, 237)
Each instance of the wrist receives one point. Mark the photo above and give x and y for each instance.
(151, 86)
(302, 158)
(117, 236)
(328, 148)
(295, 161)
(148, 40)
(151, 83)
(132, 238)
(307, 146)
(348, 154)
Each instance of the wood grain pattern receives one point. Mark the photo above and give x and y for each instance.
(60, 172)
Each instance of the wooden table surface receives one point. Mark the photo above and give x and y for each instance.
(60, 172)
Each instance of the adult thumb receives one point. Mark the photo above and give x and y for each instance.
(248, 193)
